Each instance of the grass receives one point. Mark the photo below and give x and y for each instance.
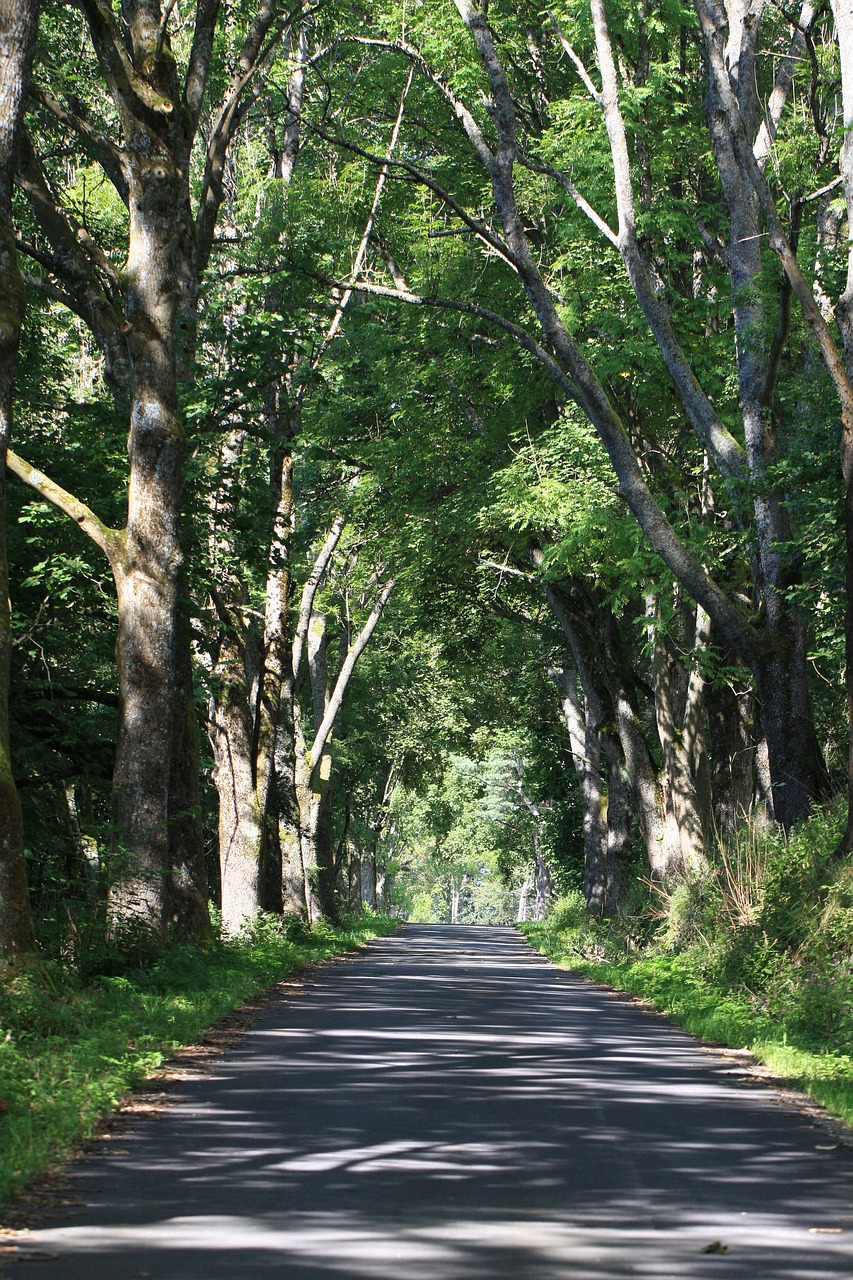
(70, 1049)
(717, 1014)
(758, 954)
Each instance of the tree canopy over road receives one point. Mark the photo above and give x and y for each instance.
(427, 438)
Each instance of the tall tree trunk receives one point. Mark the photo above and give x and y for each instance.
(543, 875)
(145, 324)
(585, 743)
(241, 822)
(152, 648)
(619, 848)
(684, 837)
(18, 28)
(844, 311)
(523, 895)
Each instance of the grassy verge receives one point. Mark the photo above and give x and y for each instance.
(70, 1050)
(757, 954)
(718, 1016)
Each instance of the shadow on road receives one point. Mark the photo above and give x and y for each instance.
(449, 1106)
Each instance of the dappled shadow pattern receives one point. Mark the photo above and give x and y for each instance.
(450, 1106)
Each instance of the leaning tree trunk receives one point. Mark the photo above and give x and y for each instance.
(18, 28)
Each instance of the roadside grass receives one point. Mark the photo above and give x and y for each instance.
(71, 1049)
(757, 954)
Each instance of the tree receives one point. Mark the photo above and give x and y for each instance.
(504, 138)
(143, 319)
(18, 29)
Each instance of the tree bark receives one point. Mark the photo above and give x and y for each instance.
(18, 29)
(843, 14)
(152, 647)
(684, 839)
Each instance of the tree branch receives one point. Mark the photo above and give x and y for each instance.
(778, 240)
(109, 540)
(310, 590)
(96, 144)
(728, 455)
(353, 654)
(251, 57)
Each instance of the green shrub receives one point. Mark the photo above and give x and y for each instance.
(72, 1046)
(758, 952)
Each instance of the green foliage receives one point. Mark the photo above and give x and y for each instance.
(70, 1050)
(776, 978)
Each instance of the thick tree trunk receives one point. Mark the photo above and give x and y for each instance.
(18, 28)
(241, 823)
(618, 825)
(152, 649)
(733, 755)
(156, 844)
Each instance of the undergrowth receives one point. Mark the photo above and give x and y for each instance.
(757, 953)
(72, 1046)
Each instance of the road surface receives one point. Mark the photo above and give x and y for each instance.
(450, 1105)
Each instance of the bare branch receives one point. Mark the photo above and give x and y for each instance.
(310, 590)
(576, 62)
(483, 232)
(726, 451)
(252, 56)
(198, 66)
(778, 240)
(470, 309)
(353, 654)
(71, 261)
(109, 540)
(361, 253)
(96, 144)
(464, 115)
(782, 86)
(537, 166)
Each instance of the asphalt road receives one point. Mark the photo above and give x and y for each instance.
(450, 1105)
